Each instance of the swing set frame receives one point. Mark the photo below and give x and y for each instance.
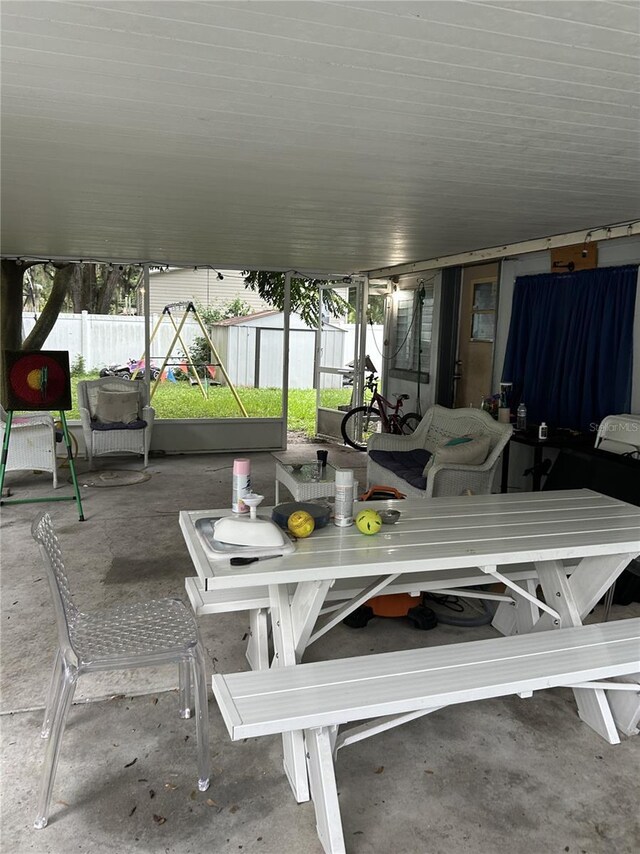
(189, 309)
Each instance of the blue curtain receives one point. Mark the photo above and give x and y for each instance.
(570, 347)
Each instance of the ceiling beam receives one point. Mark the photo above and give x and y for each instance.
(494, 253)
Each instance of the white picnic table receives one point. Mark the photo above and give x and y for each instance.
(578, 541)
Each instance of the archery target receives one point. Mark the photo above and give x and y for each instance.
(36, 379)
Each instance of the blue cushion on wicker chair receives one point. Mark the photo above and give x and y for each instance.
(409, 465)
(138, 424)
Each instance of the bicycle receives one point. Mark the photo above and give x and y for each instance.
(379, 415)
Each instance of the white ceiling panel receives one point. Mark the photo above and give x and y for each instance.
(324, 135)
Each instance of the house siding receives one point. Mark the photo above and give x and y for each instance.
(202, 287)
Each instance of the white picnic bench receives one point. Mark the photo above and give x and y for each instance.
(393, 688)
(573, 544)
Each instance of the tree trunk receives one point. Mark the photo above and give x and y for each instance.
(45, 323)
(80, 290)
(11, 305)
(105, 297)
(93, 288)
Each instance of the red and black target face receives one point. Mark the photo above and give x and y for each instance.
(36, 379)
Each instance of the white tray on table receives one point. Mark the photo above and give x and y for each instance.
(217, 550)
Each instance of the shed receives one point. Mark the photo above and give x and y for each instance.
(251, 348)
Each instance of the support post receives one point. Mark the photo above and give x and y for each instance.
(5, 450)
(85, 339)
(593, 706)
(284, 647)
(324, 790)
(147, 334)
(258, 645)
(72, 466)
(285, 355)
(156, 327)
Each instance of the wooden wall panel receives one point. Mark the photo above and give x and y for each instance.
(565, 255)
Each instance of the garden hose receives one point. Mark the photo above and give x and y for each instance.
(468, 622)
(74, 443)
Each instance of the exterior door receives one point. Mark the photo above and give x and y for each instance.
(476, 333)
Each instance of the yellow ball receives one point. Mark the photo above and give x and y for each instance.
(34, 379)
(301, 524)
(368, 522)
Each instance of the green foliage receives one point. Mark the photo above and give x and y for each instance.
(200, 353)
(375, 308)
(236, 308)
(78, 367)
(304, 295)
(181, 400)
(96, 288)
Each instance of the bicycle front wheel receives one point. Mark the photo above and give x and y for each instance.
(409, 422)
(359, 424)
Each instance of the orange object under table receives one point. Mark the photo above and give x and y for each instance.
(393, 604)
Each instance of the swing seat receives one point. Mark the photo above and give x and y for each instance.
(185, 370)
(211, 371)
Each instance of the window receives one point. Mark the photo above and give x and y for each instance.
(413, 329)
(483, 311)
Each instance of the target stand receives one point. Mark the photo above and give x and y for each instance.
(33, 381)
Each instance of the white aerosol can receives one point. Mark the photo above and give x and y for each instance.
(241, 485)
(345, 493)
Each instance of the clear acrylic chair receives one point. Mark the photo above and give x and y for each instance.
(118, 638)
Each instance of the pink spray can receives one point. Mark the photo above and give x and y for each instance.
(241, 485)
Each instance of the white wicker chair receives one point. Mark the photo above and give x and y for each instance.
(32, 444)
(620, 434)
(101, 442)
(438, 425)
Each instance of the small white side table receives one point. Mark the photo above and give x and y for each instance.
(295, 478)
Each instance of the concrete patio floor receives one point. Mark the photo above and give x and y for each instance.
(507, 776)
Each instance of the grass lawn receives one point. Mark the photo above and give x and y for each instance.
(181, 400)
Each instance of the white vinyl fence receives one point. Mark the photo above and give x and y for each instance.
(252, 353)
(105, 339)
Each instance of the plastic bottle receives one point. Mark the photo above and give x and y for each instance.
(343, 512)
(521, 417)
(241, 485)
(542, 431)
